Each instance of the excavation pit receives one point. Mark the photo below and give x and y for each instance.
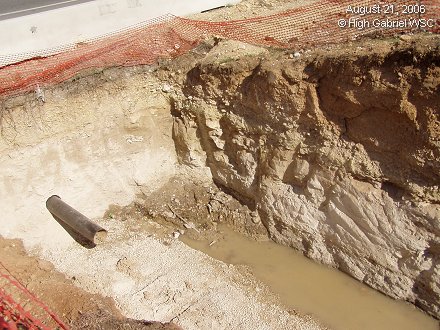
(333, 153)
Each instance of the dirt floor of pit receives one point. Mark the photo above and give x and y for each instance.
(199, 213)
(76, 308)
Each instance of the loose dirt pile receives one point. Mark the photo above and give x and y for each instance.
(190, 205)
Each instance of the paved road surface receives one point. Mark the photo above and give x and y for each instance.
(16, 8)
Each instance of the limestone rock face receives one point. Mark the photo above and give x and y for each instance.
(338, 154)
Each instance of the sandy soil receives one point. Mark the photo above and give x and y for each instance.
(75, 307)
(250, 8)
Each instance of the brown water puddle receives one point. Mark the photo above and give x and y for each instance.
(336, 299)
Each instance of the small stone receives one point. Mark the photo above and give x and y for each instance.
(166, 88)
(45, 265)
(405, 37)
(169, 214)
(256, 220)
(296, 54)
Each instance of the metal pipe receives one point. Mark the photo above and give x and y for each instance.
(75, 220)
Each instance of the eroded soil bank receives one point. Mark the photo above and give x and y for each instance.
(333, 152)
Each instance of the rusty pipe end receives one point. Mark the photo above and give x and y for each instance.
(100, 236)
(51, 197)
(72, 219)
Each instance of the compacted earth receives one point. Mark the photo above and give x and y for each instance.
(77, 308)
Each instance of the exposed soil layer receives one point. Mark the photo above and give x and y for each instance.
(337, 150)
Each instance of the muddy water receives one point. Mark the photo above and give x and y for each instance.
(336, 299)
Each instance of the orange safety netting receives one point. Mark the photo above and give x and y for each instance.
(20, 309)
(169, 36)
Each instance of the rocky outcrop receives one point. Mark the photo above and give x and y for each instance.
(339, 153)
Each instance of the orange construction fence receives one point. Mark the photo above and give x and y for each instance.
(20, 309)
(319, 23)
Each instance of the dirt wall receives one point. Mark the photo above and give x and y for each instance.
(337, 151)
